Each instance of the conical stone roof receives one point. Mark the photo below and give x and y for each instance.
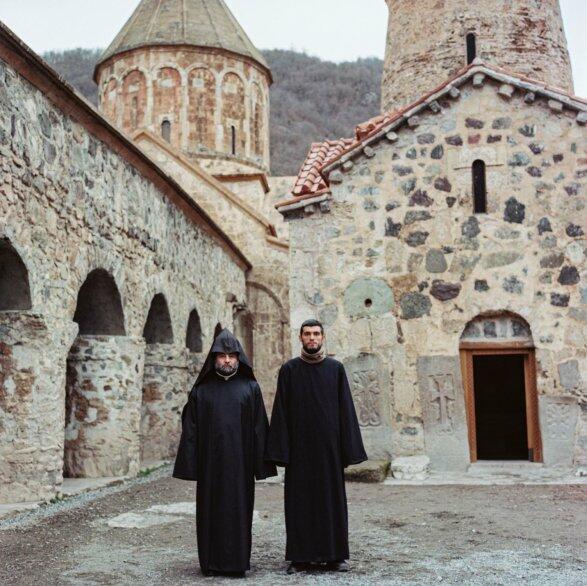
(200, 23)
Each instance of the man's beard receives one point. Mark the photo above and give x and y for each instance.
(312, 350)
(226, 369)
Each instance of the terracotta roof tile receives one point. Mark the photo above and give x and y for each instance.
(310, 179)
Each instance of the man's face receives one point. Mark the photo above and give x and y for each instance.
(312, 339)
(226, 364)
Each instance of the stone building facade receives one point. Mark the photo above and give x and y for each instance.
(197, 102)
(443, 248)
(519, 35)
(126, 240)
(112, 280)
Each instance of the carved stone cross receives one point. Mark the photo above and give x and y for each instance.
(442, 391)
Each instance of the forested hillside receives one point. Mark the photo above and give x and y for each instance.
(311, 99)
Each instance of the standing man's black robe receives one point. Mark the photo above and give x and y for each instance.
(222, 447)
(315, 434)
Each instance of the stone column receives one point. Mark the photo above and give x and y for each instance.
(32, 395)
(103, 407)
(164, 394)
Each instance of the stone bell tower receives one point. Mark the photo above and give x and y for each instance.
(187, 71)
(430, 40)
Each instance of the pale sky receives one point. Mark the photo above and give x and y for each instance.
(335, 30)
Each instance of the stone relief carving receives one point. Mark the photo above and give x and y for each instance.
(442, 393)
(558, 422)
(366, 392)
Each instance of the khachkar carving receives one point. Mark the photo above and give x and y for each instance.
(559, 422)
(366, 393)
(442, 396)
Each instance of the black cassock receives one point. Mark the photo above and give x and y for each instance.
(222, 447)
(315, 434)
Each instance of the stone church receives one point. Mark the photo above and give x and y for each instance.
(128, 235)
(443, 244)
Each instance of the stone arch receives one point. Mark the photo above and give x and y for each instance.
(194, 342)
(134, 90)
(110, 101)
(167, 100)
(257, 122)
(234, 114)
(99, 307)
(15, 293)
(499, 371)
(202, 108)
(158, 328)
(497, 327)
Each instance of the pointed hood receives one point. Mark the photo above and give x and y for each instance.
(226, 343)
(200, 23)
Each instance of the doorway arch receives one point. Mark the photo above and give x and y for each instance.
(499, 375)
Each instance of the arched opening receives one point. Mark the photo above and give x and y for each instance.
(234, 114)
(499, 373)
(163, 386)
(15, 293)
(102, 385)
(471, 48)
(158, 329)
(193, 340)
(134, 102)
(479, 187)
(166, 130)
(99, 307)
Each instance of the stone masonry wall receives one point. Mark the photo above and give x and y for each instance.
(400, 264)
(201, 93)
(69, 205)
(426, 43)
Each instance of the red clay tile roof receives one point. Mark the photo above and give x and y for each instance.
(311, 182)
(321, 153)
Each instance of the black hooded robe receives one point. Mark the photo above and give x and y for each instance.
(222, 447)
(315, 434)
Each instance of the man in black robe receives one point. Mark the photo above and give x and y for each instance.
(222, 447)
(315, 434)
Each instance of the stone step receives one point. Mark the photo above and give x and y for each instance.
(372, 471)
(506, 468)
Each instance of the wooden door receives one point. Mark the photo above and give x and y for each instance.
(468, 352)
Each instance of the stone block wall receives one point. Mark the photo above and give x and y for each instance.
(426, 43)
(397, 264)
(202, 94)
(71, 203)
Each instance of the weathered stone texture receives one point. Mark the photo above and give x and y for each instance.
(202, 93)
(71, 204)
(509, 259)
(523, 37)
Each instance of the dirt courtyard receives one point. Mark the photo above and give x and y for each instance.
(144, 533)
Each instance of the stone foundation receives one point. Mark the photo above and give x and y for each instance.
(32, 383)
(103, 406)
(164, 395)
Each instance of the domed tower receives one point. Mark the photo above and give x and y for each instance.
(430, 40)
(187, 71)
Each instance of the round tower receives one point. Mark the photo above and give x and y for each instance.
(430, 40)
(186, 71)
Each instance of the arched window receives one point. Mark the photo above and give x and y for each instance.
(233, 139)
(479, 187)
(166, 130)
(99, 307)
(15, 293)
(471, 48)
(158, 329)
(194, 333)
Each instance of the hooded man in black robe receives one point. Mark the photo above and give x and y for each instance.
(222, 447)
(315, 434)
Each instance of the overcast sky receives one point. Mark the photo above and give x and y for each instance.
(337, 30)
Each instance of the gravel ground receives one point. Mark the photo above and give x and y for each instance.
(399, 535)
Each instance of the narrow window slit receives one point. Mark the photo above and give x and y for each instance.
(471, 48)
(479, 187)
(233, 139)
(166, 130)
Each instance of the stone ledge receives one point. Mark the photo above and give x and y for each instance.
(372, 471)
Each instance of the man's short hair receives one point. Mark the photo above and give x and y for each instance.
(311, 323)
